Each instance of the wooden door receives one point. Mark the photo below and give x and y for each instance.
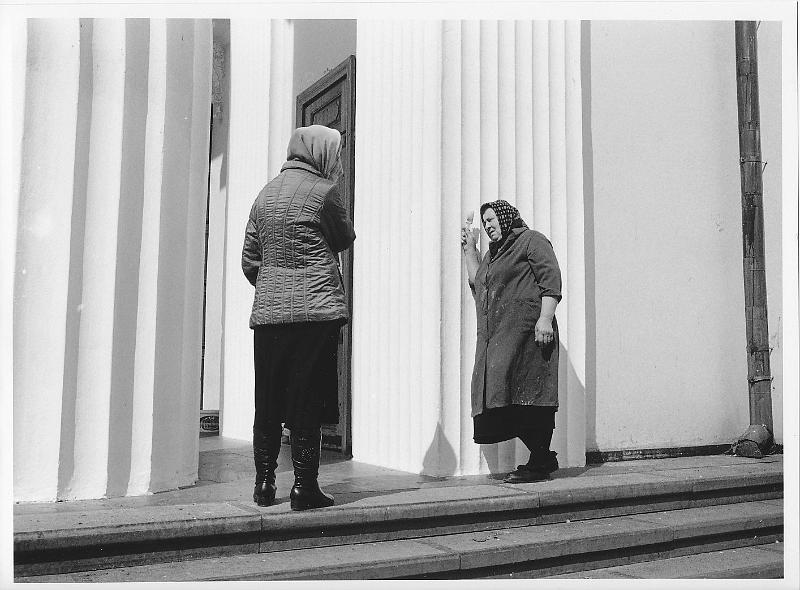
(330, 101)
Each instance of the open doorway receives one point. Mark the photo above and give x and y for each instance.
(324, 87)
(315, 49)
(330, 101)
(213, 300)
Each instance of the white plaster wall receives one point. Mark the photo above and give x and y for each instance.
(665, 289)
(320, 45)
(770, 64)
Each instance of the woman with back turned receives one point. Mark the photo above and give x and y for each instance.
(297, 226)
(517, 286)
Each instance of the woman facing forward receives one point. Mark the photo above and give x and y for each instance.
(297, 226)
(516, 287)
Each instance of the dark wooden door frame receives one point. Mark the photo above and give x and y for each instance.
(346, 72)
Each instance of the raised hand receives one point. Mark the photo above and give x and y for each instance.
(469, 235)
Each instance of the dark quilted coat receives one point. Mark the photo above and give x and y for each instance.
(298, 224)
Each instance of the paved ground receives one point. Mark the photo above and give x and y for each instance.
(226, 474)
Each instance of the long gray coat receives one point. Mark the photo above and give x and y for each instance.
(510, 368)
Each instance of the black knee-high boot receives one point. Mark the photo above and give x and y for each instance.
(305, 493)
(266, 446)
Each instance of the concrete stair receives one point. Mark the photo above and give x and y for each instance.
(758, 561)
(725, 522)
(660, 543)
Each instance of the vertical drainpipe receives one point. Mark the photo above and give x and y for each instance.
(755, 290)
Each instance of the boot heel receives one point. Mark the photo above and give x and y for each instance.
(264, 494)
(307, 499)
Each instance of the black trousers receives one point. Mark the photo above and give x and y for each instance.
(296, 380)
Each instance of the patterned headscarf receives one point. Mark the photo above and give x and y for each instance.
(509, 218)
(506, 214)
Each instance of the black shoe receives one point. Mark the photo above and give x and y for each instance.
(266, 446)
(305, 493)
(548, 465)
(551, 464)
(526, 474)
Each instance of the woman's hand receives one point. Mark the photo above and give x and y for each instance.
(469, 236)
(543, 332)
(469, 248)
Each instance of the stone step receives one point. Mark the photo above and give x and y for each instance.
(758, 561)
(60, 542)
(526, 551)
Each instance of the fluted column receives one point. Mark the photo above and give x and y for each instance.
(43, 252)
(489, 110)
(108, 294)
(101, 218)
(13, 41)
(397, 403)
(261, 54)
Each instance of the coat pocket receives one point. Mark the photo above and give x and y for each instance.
(528, 312)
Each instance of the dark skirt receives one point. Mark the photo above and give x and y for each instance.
(495, 425)
(296, 374)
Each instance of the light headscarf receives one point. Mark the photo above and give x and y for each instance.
(317, 146)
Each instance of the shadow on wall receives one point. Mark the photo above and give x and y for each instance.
(564, 438)
(503, 457)
(440, 458)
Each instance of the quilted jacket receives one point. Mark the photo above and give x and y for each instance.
(298, 224)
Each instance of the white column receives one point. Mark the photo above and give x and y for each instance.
(43, 253)
(397, 393)
(501, 106)
(260, 127)
(146, 327)
(558, 214)
(176, 402)
(575, 299)
(468, 460)
(96, 325)
(455, 319)
(108, 307)
(524, 136)
(13, 40)
(541, 126)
